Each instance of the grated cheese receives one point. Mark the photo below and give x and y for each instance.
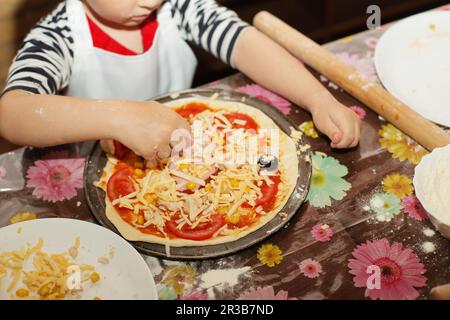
(240, 122)
(126, 197)
(224, 120)
(223, 228)
(48, 276)
(234, 207)
(188, 177)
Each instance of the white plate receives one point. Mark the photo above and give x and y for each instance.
(413, 63)
(127, 276)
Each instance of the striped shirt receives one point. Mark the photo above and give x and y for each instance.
(44, 61)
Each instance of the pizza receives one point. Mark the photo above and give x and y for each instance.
(187, 202)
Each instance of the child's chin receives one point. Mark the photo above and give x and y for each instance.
(132, 24)
(135, 22)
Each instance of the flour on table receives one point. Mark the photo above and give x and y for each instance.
(220, 277)
(429, 232)
(428, 247)
(435, 184)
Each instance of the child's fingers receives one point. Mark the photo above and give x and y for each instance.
(107, 145)
(348, 135)
(336, 138)
(181, 122)
(151, 163)
(357, 135)
(164, 152)
(330, 129)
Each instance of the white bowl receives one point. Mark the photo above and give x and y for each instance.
(425, 171)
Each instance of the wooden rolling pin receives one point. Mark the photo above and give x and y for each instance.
(347, 77)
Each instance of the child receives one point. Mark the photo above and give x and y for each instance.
(109, 56)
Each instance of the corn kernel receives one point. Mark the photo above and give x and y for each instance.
(95, 277)
(22, 293)
(208, 188)
(234, 183)
(61, 295)
(140, 220)
(139, 172)
(149, 197)
(139, 164)
(22, 216)
(223, 210)
(44, 291)
(184, 166)
(234, 219)
(191, 185)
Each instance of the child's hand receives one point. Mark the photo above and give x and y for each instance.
(337, 121)
(146, 128)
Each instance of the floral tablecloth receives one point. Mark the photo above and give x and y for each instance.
(361, 212)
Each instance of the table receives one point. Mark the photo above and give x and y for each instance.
(361, 204)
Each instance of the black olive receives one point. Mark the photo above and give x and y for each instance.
(268, 162)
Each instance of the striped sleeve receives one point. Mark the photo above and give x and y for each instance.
(209, 25)
(43, 62)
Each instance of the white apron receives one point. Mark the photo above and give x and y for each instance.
(168, 66)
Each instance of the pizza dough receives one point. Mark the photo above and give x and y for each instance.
(288, 164)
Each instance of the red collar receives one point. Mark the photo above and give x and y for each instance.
(104, 41)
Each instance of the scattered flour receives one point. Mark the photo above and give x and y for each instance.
(220, 277)
(433, 180)
(429, 232)
(376, 203)
(428, 247)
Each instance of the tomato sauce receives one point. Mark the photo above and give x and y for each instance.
(191, 109)
(250, 124)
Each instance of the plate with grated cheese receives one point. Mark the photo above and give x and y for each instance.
(236, 178)
(67, 259)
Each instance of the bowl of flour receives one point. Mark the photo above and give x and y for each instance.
(432, 185)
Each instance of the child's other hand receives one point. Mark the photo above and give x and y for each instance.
(338, 122)
(146, 128)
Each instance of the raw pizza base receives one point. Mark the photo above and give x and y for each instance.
(288, 160)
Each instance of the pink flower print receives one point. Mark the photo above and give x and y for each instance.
(56, 180)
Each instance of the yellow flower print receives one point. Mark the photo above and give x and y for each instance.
(22, 216)
(398, 184)
(270, 254)
(346, 39)
(308, 128)
(179, 277)
(401, 146)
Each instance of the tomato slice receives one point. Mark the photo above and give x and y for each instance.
(119, 184)
(202, 232)
(268, 194)
(249, 122)
(191, 109)
(120, 151)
